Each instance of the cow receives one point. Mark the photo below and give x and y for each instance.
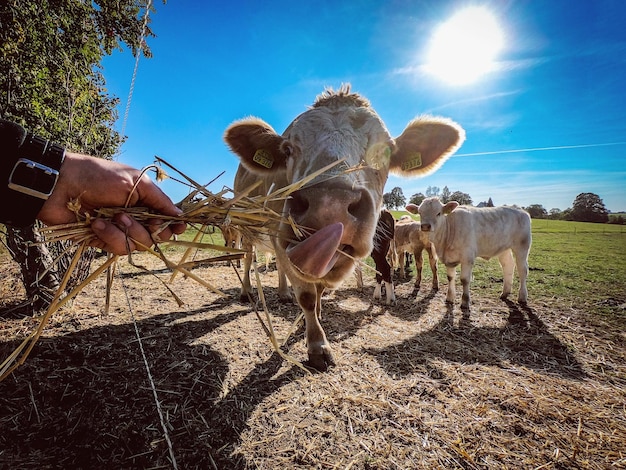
(336, 211)
(383, 236)
(383, 240)
(409, 238)
(463, 233)
(253, 244)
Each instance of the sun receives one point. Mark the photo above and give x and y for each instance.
(465, 47)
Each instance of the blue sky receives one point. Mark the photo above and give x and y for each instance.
(548, 123)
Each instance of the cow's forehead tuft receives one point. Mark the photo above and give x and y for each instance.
(340, 98)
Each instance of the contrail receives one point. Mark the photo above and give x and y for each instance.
(539, 149)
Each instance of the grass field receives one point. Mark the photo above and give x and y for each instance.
(581, 264)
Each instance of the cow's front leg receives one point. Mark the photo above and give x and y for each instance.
(419, 261)
(521, 259)
(466, 279)
(508, 266)
(432, 260)
(284, 294)
(246, 294)
(390, 293)
(309, 298)
(451, 280)
(378, 289)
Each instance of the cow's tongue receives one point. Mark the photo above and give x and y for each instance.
(316, 255)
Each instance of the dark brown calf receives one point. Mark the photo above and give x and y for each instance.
(382, 240)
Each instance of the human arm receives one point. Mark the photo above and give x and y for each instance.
(95, 183)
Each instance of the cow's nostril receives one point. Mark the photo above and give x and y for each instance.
(359, 208)
(298, 204)
(348, 249)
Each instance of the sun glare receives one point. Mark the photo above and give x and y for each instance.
(465, 47)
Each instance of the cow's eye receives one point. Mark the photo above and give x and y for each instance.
(286, 148)
(378, 156)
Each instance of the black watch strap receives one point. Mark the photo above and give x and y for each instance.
(32, 179)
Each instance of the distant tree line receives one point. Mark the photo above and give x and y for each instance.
(587, 207)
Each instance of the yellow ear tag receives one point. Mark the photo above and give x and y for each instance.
(263, 158)
(414, 161)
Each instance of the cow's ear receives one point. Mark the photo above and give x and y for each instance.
(412, 208)
(449, 207)
(424, 145)
(259, 147)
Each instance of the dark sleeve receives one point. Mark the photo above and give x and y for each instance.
(15, 208)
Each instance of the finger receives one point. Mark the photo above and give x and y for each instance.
(162, 232)
(111, 238)
(178, 227)
(135, 231)
(152, 196)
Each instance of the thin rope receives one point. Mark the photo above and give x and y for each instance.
(132, 81)
(152, 385)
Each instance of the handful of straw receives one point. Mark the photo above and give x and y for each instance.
(252, 215)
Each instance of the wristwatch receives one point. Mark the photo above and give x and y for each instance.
(29, 166)
(36, 171)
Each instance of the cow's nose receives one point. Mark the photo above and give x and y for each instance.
(318, 206)
(425, 227)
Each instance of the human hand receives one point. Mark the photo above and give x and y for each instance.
(98, 183)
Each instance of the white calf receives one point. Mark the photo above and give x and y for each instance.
(463, 233)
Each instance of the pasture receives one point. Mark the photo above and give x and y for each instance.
(417, 384)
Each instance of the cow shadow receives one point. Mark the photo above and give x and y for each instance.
(525, 340)
(84, 400)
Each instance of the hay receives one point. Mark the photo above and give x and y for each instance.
(252, 216)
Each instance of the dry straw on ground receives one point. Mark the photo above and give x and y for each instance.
(417, 384)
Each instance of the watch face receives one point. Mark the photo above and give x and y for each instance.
(32, 178)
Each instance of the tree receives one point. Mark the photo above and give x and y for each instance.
(555, 213)
(50, 82)
(394, 199)
(588, 207)
(567, 214)
(417, 199)
(445, 195)
(536, 211)
(461, 198)
(432, 191)
(488, 203)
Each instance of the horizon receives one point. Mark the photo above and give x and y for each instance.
(545, 120)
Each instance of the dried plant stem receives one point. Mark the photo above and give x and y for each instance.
(269, 328)
(15, 360)
(199, 234)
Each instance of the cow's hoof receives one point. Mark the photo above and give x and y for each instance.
(320, 362)
(247, 299)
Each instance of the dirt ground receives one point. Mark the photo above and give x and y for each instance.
(417, 384)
